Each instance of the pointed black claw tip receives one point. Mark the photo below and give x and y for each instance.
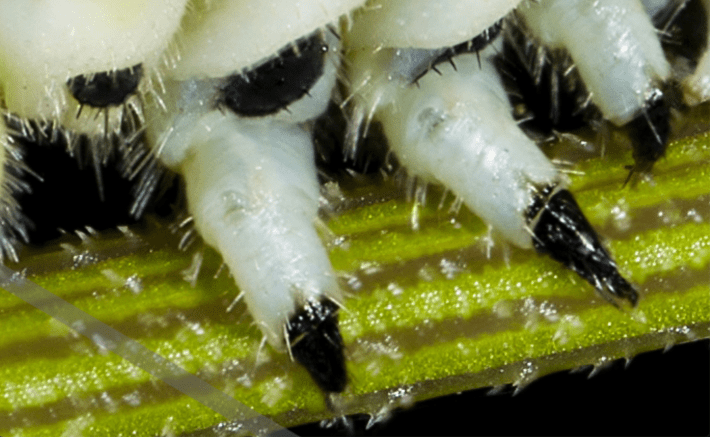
(633, 297)
(564, 233)
(620, 288)
(316, 344)
(640, 168)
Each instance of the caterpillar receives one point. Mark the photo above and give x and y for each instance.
(238, 129)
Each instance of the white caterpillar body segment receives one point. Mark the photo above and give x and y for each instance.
(73, 67)
(385, 23)
(221, 37)
(73, 37)
(46, 43)
(247, 158)
(618, 55)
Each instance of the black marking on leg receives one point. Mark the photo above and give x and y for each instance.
(564, 233)
(315, 342)
(105, 89)
(649, 132)
(277, 83)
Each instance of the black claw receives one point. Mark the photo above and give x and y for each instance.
(106, 88)
(564, 233)
(316, 344)
(649, 132)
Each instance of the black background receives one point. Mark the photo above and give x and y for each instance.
(665, 394)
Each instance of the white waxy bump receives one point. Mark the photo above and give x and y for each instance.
(221, 37)
(424, 24)
(59, 39)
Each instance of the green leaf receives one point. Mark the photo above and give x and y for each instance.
(432, 308)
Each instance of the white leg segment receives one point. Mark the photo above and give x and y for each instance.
(614, 47)
(253, 193)
(456, 128)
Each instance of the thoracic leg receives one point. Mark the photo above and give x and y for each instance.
(618, 55)
(253, 193)
(455, 127)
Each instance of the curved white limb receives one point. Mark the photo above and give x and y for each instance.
(613, 45)
(453, 125)
(457, 129)
(253, 193)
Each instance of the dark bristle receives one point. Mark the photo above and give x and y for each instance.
(315, 342)
(564, 233)
(554, 100)
(41, 173)
(474, 45)
(334, 163)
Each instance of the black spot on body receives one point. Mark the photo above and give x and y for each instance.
(316, 344)
(105, 89)
(564, 233)
(278, 82)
